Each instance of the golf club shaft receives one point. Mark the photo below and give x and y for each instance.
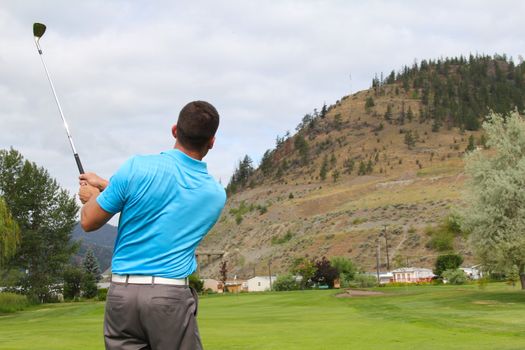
(75, 154)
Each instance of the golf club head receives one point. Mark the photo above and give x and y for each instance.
(39, 29)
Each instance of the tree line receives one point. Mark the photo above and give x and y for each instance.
(37, 218)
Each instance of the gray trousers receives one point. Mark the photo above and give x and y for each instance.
(151, 317)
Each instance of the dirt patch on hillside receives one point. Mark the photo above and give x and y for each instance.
(350, 293)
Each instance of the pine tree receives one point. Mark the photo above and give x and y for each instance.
(323, 111)
(335, 175)
(324, 169)
(369, 104)
(410, 114)
(91, 266)
(410, 140)
(362, 168)
(471, 144)
(369, 167)
(46, 215)
(266, 165)
(388, 113)
(301, 145)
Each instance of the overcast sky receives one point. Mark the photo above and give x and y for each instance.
(124, 69)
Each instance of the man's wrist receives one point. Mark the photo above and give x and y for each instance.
(103, 184)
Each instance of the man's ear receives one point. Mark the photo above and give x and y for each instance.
(174, 130)
(212, 141)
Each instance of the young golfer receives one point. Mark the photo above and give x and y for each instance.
(167, 204)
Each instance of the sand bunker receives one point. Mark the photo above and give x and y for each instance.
(349, 293)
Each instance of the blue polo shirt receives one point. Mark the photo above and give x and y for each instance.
(168, 203)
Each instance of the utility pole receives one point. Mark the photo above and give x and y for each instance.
(386, 244)
(377, 261)
(270, 272)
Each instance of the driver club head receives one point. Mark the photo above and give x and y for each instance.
(38, 30)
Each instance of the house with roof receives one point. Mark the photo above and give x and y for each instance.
(473, 272)
(386, 277)
(412, 275)
(260, 283)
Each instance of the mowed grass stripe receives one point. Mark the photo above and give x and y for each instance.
(426, 317)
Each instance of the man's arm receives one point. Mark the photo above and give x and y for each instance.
(92, 216)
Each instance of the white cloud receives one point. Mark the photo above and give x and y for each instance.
(124, 69)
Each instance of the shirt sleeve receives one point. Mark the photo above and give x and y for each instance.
(113, 198)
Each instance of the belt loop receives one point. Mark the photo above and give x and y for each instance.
(152, 281)
(127, 278)
(186, 281)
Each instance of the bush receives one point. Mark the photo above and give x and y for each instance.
(195, 282)
(11, 302)
(362, 280)
(89, 286)
(102, 294)
(285, 282)
(345, 267)
(441, 239)
(325, 273)
(456, 276)
(447, 262)
(282, 239)
(72, 276)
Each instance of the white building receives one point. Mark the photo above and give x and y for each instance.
(412, 275)
(260, 283)
(474, 272)
(385, 277)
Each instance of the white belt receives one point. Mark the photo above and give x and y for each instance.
(141, 279)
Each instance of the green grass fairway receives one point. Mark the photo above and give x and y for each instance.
(424, 317)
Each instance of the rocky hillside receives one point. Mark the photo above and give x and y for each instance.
(389, 158)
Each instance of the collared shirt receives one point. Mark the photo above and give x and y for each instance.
(168, 203)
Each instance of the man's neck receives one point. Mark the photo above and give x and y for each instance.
(193, 154)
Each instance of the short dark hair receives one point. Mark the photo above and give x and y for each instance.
(198, 121)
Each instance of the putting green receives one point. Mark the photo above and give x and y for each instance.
(425, 317)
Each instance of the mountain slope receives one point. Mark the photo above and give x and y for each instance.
(390, 157)
(101, 241)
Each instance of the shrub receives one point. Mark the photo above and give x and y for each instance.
(345, 267)
(456, 276)
(72, 276)
(282, 239)
(447, 262)
(285, 282)
(11, 302)
(262, 209)
(325, 273)
(195, 282)
(363, 281)
(102, 294)
(358, 221)
(441, 239)
(88, 286)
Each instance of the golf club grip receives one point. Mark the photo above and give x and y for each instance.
(79, 163)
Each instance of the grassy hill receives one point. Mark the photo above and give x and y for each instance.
(387, 158)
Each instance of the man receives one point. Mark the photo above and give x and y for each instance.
(167, 204)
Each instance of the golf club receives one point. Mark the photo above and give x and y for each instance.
(38, 30)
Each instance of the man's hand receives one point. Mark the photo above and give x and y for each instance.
(87, 191)
(94, 180)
